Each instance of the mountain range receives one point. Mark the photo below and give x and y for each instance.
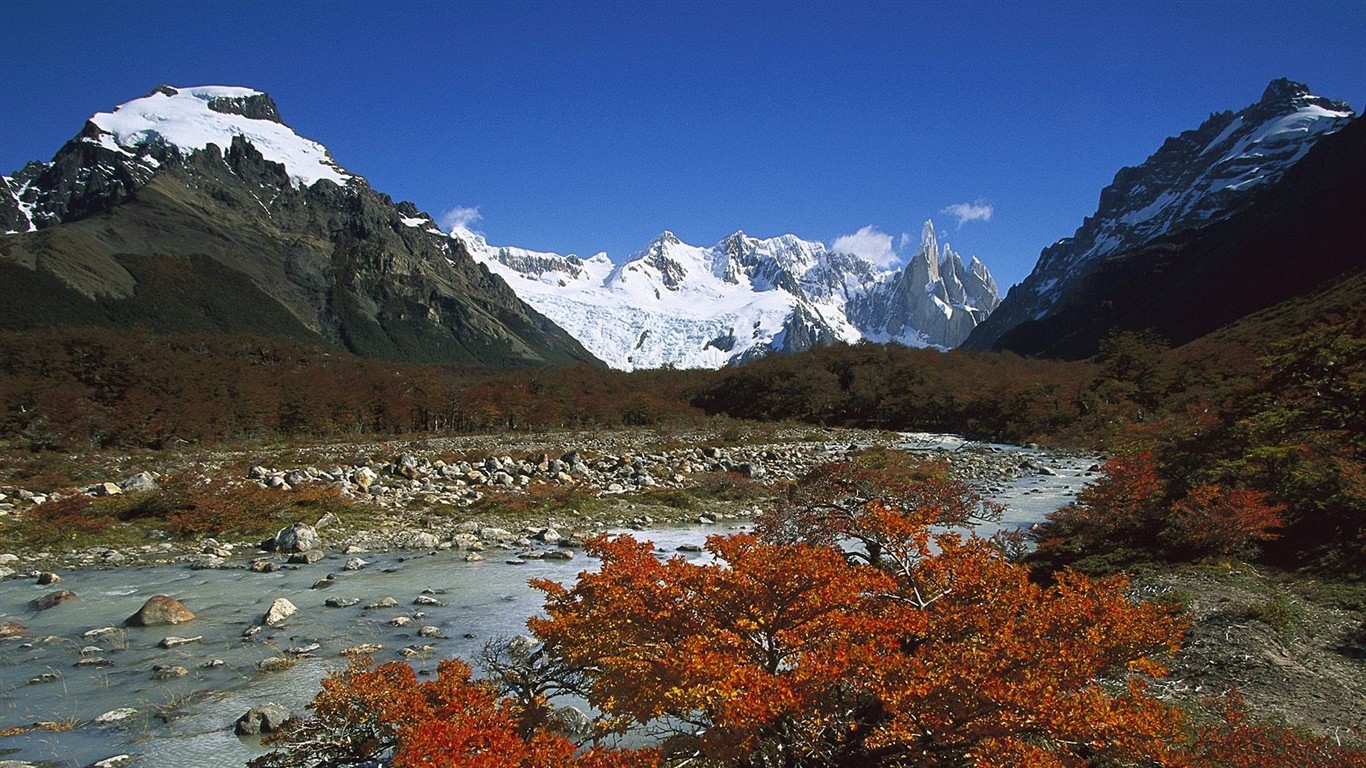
(675, 304)
(201, 210)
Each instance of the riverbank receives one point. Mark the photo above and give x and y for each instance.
(398, 575)
(436, 493)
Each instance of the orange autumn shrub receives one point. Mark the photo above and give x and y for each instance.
(941, 654)
(1218, 521)
(452, 721)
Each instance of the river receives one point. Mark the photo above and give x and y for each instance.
(187, 721)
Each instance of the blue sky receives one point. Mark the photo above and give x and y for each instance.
(587, 126)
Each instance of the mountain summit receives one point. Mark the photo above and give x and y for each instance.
(675, 304)
(199, 209)
(1197, 177)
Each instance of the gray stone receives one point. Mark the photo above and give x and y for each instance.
(364, 477)
(172, 641)
(160, 672)
(115, 715)
(52, 600)
(139, 483)
(306, 558)
(48, 578)
(341, 602)
(274, 664)
(571, 721)
(419, 540)
(354, 564)
(299, 537)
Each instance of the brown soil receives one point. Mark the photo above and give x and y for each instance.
(1293, 645)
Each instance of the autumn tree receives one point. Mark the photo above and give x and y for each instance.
(831, 504)
(1131, 512)
(453, 721)
(789, 654)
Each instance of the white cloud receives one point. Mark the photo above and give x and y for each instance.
(965, 212)
(869, 242)
(460, 216)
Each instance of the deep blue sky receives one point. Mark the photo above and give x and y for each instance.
(586, 126)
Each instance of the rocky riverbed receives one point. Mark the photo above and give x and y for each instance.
(436, 567)
(463, 492)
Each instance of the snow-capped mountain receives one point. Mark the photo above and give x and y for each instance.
(144, 134)
(1200, 176)
(199, 209)
(934, 301)
(674, 304)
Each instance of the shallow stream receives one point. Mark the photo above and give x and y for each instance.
(185, 722)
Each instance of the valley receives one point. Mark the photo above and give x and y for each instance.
(233, 372)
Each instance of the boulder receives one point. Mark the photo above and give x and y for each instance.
(165, 672)
(10, 629)
(364, 477)
(280, 610)
(571, 721)
(139, 483)
(47, 578)
(160, 610)
(52, 600)
(267, 718)
(419, 540)
(306, 558)
(299, 537)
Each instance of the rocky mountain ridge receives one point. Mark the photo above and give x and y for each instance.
(1194, 178)
(675, 304)
(198, 209)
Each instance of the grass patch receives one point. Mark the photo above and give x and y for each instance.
(185, 507)
(1277, 612)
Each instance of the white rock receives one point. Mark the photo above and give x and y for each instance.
(280, 610)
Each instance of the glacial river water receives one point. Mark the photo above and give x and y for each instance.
(187, 722)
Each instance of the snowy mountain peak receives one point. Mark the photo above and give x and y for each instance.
(676, 304)
(1195, 177)
(1283, 92)
(190, 119)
